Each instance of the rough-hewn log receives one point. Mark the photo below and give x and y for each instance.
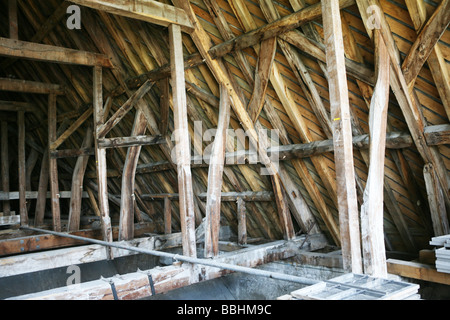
(215, 177)
(134, 141)
(127, 199)
(100, 156)
(77, 184)
(342, 136)
(372, 209)
(437, 135)
(53, 165)
(185, 188)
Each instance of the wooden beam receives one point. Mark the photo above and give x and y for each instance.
(16, 106)
(165, 106)
(22, 169)
(100, 156)
(123, 110)
(13, 22)
(53, 54)
(437, 135)
(5, 165)
(372, 209)
(342, 136)
(133, 141)
(72, 153)
(77, 184)
(416, 270)
(149, 11)
(408, 100)
(271, 30)
(262, 77)
(425, 42)
(42, 191)
(436, 201)
(24, 86)
(127, 199)
(187, 215)
(167, 215)
(215, 177)
(242, 221)
(63, 137)
(53, 165)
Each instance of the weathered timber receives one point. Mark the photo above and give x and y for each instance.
(54, 54)
(13, 23)
(16, 106)
(437, 135)
(53, 165)
(77, 184)
(342, 136)
(215, 177)
(372, 209)
(149, 11)
(133, 141)
(185, 188)
(271, 30)
(5, 165)
(24, 86)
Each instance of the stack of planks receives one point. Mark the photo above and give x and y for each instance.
(442, 253)
(356, 287)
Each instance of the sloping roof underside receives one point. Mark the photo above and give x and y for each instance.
(137, 47)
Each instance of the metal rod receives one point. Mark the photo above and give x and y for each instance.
(177, 257)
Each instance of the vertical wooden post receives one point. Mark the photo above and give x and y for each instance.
(436, 201)
(342, 136)
(5, 166)
(242, 221)
(100, 156)
(215, 176)
(53, 166)
(42, 191)
(13, 24)
(183, 155)
(167, 215)
(77, 184)
(372, 212)
(22, 169)
(165, 105)
(127, 199)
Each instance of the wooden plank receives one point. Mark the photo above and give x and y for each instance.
(372, 209)
(5, 165)
(342, 136)
(425, 42)
(100, 156)
(127, 199)
(185, 189)
(123, 110)
(437, 135)
(53, 54)
(53, 166)
(77, 184)
(215, 177)
(262, 77)
(24, 86)
(149, 11)
(22, 169)
(271, 30)
(415, 270)
(436, 202)
(133, 141)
